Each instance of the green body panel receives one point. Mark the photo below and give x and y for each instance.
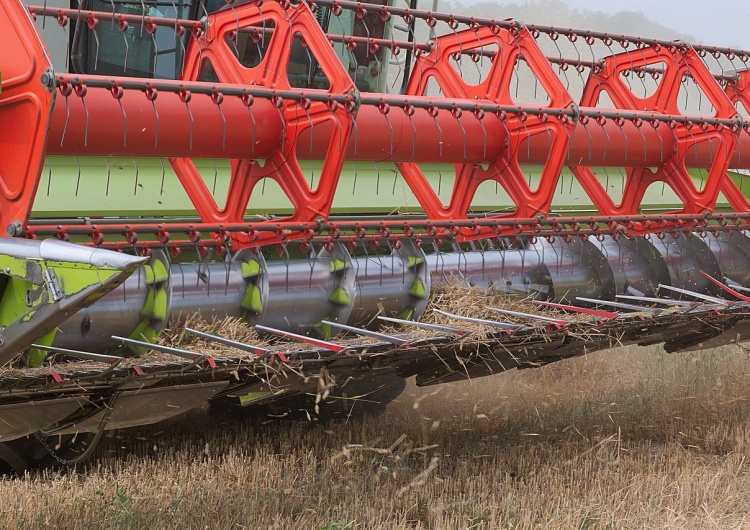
(156, 307)
(24, 283)
(36, 294)
(127, 187)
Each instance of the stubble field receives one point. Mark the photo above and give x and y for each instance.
(630, 438)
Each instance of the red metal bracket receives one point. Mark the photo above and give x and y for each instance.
(297, 116)
(678, 62)
(511, 46)
(738, 92)
(28, 91)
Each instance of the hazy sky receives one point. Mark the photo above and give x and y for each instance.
(719, 22)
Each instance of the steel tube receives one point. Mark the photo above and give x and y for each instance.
(97, 125)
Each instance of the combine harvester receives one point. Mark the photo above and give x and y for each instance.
(317, 170)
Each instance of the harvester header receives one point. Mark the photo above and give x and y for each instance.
(322, 171)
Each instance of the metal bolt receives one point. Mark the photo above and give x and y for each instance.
(14, 229)
(48, 79)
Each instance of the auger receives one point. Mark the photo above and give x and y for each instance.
(318, 170)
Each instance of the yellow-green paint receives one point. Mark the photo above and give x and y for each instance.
(324, 330)
(339, 297)
(125, 187)
(254, 396)
(338, 265)
(24, 291)
(252, 300)
(156, 306)
(251, 269)
(418, 290)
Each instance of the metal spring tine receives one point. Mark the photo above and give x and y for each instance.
(643, 138)
(96, 55)
(216, 176)
(390, 128)
(127, 49)
(156, 113)
(440, 136)
(137, 174)
(700, 296)
(606, 147)
(463, 131)
(256, 350)
(49, 174)
(218, 100)
(124, 123)
(652, 300)
(67, 119)
(156, 52)
(366, 333)
(78, 178)
(109, 175)
(655, 124)
(354, 134)
(185, 354)
(492, 323)
(86, 356)
(289, 335)
(423, 325)
(163, 176)
(692, 141)
(480, 117)
(620, 305)
(532, 316)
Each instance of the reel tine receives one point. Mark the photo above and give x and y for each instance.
(66, 91)
(96, 39)
(137, 174)
(78, 177)
(109, 175)
(49, 174)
